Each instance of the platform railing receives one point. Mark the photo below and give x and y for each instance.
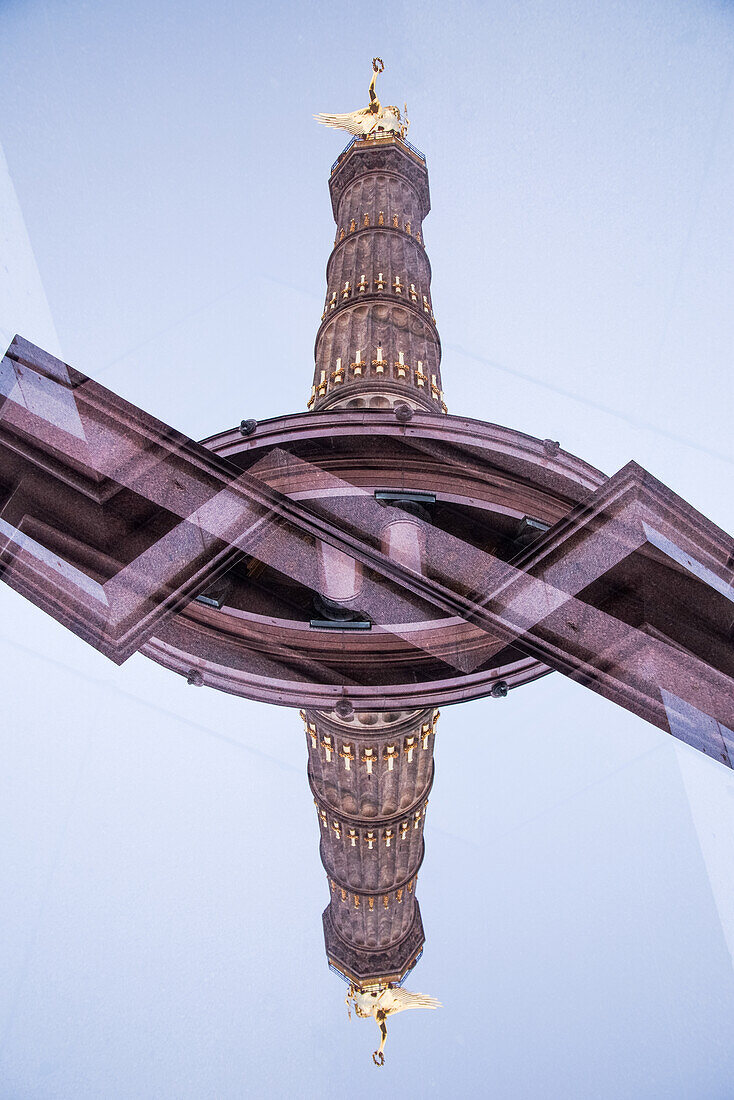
(377, 138)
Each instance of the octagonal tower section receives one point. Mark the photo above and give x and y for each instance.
(378, 343)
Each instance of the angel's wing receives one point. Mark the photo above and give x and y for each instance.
(397, 1000)
(355, 122)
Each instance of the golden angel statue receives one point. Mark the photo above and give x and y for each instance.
(383, 1002)
(372, 120)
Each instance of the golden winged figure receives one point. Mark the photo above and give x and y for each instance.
(372, 120)
(384, 1002)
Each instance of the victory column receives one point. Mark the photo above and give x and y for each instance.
(371, 772)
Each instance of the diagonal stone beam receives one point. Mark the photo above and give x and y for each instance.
(71, 432)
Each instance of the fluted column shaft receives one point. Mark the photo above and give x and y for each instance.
(378, 342)
(371, 784)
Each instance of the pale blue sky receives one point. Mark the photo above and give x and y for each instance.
(161, 892)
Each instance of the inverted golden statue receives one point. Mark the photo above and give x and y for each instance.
(383, 1002)
(373, 120)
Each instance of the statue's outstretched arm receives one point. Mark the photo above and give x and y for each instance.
(378, 1057)
(377, 67)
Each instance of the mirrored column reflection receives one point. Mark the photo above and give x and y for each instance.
(371, 773)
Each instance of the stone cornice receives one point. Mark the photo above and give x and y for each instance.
(395, 387)
(384, 157)
(364, 963)
(416, 718)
